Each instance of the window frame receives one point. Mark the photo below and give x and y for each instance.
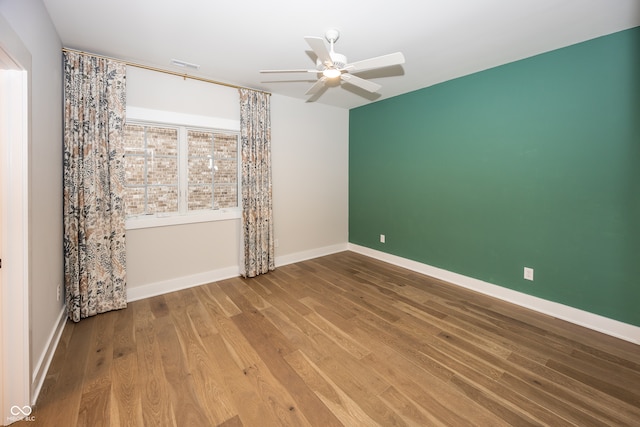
(183, 123)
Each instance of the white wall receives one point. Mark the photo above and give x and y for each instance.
(310, 155)
(310, 183)
(30, 21)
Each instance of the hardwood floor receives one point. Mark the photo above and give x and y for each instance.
(338, 340)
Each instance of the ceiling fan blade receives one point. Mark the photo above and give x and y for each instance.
(317, 95)
(320, 49)
(316, 86)
(290, 71)
(377, 62)
(360, 82)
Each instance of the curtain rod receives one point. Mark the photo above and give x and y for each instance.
(160, 70)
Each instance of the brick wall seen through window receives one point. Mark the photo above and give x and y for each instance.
(175, 170)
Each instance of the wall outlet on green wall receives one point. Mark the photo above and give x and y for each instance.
(528, 273)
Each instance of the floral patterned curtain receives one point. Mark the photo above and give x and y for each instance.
(94, 233)
(257, 212)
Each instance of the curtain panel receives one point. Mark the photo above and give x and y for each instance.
(257, 211)
(93, 173)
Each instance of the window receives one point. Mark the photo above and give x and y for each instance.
(213, 170)
(181, 173)
(151, 170)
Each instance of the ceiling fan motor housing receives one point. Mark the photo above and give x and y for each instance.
(339, 61)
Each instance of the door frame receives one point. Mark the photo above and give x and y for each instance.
(15, 355)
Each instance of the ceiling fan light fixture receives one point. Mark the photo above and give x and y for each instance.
(331, 73)
(332, 68)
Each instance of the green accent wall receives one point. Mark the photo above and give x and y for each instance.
(535, 163)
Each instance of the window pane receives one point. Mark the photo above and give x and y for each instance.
(200, 171)
(134, 170)
(226, 146)
(162, 141)
(162, 199)
(135, 201)
(151, 174)
(200, 165)
(162, 170)
(226, 171)
(134, 139)
(225, 178)
(200, 143)
(226, 196)
(200, 197)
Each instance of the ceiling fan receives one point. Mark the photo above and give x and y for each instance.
(332, 66)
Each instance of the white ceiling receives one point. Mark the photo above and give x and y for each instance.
(234, 39)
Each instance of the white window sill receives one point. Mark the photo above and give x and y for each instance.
(163, 220)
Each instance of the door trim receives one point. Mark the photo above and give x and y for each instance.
(15, 356)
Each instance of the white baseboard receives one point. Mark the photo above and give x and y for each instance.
(179, 283)
(42, 366)
(310, 254)
(593, 321)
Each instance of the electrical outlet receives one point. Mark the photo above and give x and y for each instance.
(382, 238)
(275, 243)
(58, 292)
(528, 273)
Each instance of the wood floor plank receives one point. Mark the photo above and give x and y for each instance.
(557, 404)
(272, 346)
(232, 422)
(95, 407)
(249, 408)
(446, 326)
(154, 388)
(502, 409)
(338, 336)
(593, 401)
(184, 400)
(283, 291)
(338, 340)
(224, 302)
(363, 390)
(621, 393)
(408, 409)
(251, 381)
(336, 399)
(268, 390)
(186, 313)
(298, 331)
(96, 392)
(530, 389)
(235, 343)
(126, 406)
(438, 398)
(470, 375)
